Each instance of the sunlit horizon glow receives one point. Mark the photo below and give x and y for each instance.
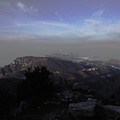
(60, 20)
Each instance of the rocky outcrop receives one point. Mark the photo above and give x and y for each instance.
(112, 112)
(83, 109)
(94, 110)
(69, 96)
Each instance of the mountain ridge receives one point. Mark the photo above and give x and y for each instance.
(67, 69)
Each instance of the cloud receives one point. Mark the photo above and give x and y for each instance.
(26, 9)
(44, 28)
(47, 30)
(96, 22)
(94, 25)
(21, 6)
(7, 8)
(58, 24)
(59, 16)
(103, 29)
(44, 23)
(98, 13)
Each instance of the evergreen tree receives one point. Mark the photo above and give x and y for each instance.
(36, 85)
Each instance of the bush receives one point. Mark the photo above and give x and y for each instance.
(37, 84)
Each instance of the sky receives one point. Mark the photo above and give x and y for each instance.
(59, 21)
(40, 27)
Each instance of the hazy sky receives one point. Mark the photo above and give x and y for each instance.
(59, 20)
(39, 27)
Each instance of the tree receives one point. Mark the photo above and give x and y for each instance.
(36, 85)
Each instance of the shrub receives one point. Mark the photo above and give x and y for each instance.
(37, 84)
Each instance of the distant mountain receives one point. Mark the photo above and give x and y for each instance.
(113, 62)
(61, 68)
(76, 57)
(71, 56)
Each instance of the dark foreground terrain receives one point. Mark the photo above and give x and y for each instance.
(45, 88)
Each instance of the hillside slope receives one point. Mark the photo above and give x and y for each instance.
(61, 68)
